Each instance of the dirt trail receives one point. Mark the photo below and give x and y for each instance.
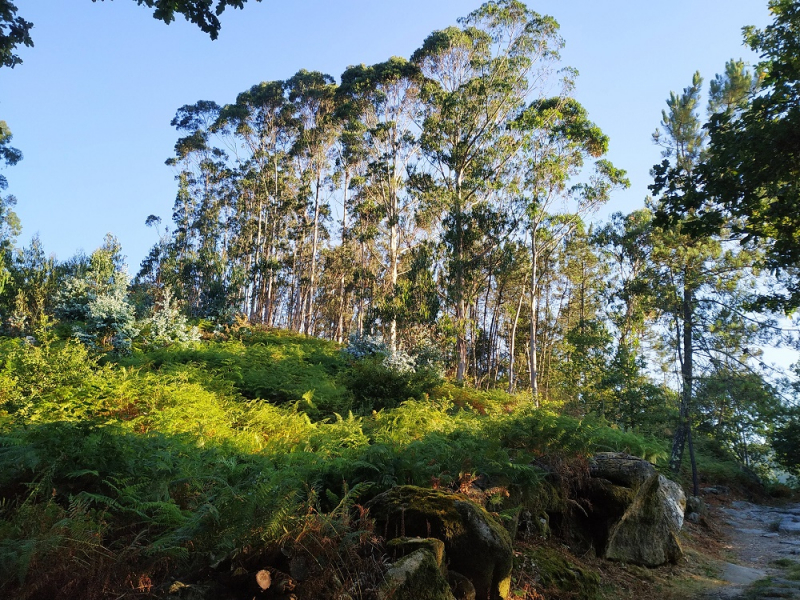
(758, 537)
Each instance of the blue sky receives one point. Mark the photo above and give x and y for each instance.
(91, 105)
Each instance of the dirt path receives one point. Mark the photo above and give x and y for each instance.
(764, 542)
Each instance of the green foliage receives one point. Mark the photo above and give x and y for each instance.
(375, 385)
(159, 464)
(166, 325)
(786, 441)
(96, 301)
(14, 31)
(751, 172)
(270, 366)
(42, 380)
(718, 465)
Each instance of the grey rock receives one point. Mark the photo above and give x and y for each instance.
(621, 469)
(739, 575)
(416, 576)
(400, 547)
(647, 534)
(789, 526)
(695, 504)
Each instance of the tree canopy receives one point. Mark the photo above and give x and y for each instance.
(16, 31)
(749, 179)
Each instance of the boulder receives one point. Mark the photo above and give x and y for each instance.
(416, 576)
(647, 534)
(476, 545)
(621, 469)
(695, 504)
(402, 546)
(624, 511)
(559, 574)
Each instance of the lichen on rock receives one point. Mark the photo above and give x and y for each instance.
(416, 576)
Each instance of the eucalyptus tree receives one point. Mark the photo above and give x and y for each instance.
(204, 191)
(633, 307)
(351, 162)
(385, 97)
(625, 241)
(314, 100)
(262, 125)
(580, 350)
(477, 79)
(9, 223)
(557, 140)
(517, 275)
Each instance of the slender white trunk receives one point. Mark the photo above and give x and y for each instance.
(315, 240)
(534, 318)
(512, 355)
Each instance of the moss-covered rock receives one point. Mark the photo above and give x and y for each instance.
(402, 546)
(476, 544)
(558, 576)
(624, 511)
(530, 526)
(461, 587)
(416, 576)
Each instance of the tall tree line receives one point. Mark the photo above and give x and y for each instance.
(399, 201)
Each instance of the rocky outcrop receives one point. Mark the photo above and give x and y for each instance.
(476, 545)
(647, 534)
(621, 469)
(643, 511)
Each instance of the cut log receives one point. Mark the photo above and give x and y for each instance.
(264, 579)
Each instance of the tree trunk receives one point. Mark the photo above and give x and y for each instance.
(394, 242)
(513, 342)
(314, 241)
(534, 318)
(683, 431)
(461, 305)
(461, 339)
(340, 318)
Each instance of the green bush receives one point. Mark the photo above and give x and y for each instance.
(375, 385)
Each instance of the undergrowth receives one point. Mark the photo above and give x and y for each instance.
(115, 476)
